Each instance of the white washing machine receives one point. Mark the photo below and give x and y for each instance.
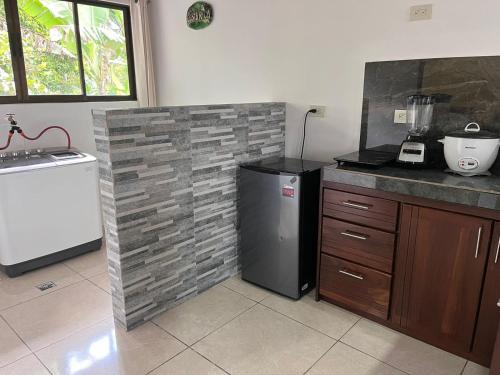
(49, 208)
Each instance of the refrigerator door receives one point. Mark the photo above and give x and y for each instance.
(269, 219)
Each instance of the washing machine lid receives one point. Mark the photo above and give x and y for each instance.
(24, 164)
(46, 159)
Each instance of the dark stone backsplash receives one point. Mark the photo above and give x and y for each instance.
(467, 89)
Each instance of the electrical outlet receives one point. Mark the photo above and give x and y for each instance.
(421, 12)
(320, 110)
(400, 116)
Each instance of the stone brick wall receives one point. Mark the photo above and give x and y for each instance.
(169, 196)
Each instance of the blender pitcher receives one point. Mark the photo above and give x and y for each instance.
(414, 150)
(419, 109)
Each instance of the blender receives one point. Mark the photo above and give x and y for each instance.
(414, 149)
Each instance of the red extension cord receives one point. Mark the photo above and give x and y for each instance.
(20, 131)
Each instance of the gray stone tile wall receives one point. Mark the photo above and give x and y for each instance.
(168, 184)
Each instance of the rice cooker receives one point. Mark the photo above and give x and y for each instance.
(471, 151)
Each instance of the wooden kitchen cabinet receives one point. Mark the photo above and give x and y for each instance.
(355, 286)
(489, 313)
(358, 244)
(495, 362)
(423, 267)
(446, 258)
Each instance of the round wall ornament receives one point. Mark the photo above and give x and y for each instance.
(199, 15)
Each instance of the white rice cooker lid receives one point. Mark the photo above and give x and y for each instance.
(473, 131)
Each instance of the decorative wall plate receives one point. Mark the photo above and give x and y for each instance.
(199, 15)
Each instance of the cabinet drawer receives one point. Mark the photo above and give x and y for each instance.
(374, 212)
(355, 286)
(369, 247)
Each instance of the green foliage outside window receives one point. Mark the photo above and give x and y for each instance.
(50, 49)
(7, 87)
(104, 50)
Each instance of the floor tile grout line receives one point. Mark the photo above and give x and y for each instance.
(19, 337)
(71, 269)
(48, 291)
(223, 325)
(111, 294)
(319, 359)
(377, 359)
(349, 330)
(370, 355)
(209, 360)
(43, 364)
(168, 360)
(164, 330)
(31, 351)
(297, 321)
(97, 274)
(336, 340)
(22, 357)
(46, 294)
(241, 294)
(463, 369)
(72, 334)
(191, 346)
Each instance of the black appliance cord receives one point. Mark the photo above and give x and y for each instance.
(313, 110)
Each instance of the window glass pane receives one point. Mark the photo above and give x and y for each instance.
(7, 85)
(104, 50)
(49, 46)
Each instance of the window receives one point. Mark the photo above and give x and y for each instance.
(7, 86)
(65, 50)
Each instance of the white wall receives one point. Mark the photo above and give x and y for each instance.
(33, 118)
(307, 52)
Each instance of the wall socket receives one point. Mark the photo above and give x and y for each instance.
(400, 116)
(320, 110)
(421, 12)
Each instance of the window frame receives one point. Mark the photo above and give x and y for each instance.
(17, 56)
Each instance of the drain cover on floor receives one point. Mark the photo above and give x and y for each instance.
(46, 285)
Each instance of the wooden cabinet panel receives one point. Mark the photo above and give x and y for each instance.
(360, 209)
(406, 236)
(355, 286)
(495, 363)
(489, 314)
(366, 246)
(447, 253)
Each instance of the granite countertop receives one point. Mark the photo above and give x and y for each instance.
(478, 191)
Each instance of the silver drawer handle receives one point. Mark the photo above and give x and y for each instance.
(498, 252)
(498, 303)
(356, 205)
(478, 241)
(359, 237)
(351, 275)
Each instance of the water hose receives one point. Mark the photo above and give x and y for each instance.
(68, 137)
(8, 141)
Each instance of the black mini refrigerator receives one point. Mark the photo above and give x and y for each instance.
(278, 207)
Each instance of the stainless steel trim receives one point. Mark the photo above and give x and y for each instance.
(356, 205)
(359, 237)
(478, 241)
(351, 275)
(498, 250)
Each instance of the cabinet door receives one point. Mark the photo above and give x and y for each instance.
(489, 314)
(446, 262)
(495, 362)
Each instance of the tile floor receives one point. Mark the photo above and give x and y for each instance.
(234, 328)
